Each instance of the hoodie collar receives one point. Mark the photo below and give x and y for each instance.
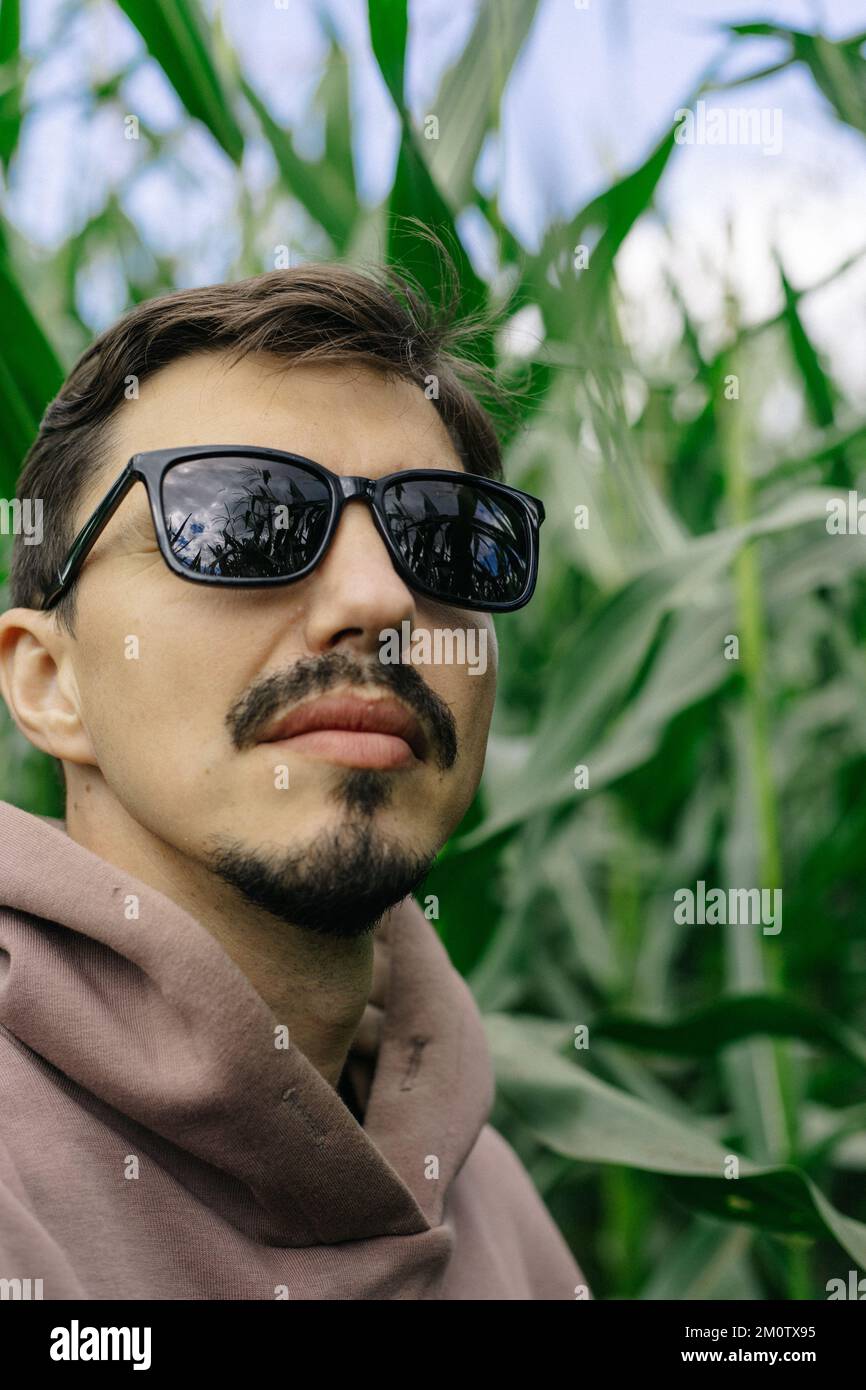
(154, 1021)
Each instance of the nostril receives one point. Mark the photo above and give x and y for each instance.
(346, 632)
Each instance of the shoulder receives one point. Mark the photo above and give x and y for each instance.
(495, 1190)
(32, 1264)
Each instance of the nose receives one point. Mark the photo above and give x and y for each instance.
(356, 593)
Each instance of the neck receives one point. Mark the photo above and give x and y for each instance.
(315, 985)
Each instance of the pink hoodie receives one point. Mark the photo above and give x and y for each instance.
(157, 1143)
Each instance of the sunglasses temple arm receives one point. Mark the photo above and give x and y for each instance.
(87, 536)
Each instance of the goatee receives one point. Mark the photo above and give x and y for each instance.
(339, 885)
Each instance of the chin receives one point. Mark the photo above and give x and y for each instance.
(340, 881)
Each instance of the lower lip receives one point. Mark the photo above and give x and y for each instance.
(351, 748)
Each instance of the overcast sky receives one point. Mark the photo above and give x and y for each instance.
(593, 91)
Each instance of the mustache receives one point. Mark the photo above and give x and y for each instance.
(315, 675)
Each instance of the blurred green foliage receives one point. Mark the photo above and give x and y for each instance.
(556, 899)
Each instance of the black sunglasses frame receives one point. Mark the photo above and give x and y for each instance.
(150, 468)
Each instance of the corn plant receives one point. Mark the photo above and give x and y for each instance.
(681, 709)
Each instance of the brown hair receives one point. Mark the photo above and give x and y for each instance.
(324, 312)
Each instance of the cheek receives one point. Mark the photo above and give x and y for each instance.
(470, 691)
(155, 683)
(482, 695)
(479, 673)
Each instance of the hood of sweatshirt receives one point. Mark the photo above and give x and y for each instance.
(143, 1013)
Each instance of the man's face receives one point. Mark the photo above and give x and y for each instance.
(178, 684)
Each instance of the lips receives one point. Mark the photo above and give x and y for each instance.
(352, 729)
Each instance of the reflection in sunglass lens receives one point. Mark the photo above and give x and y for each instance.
(239, 519)
(460, 540)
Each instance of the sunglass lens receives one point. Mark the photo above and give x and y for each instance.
(461, 541)
(240, 519)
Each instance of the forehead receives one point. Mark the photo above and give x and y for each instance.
(348, 417)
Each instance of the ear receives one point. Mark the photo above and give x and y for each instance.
(38, 683)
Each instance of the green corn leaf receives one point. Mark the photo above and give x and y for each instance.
(704, 1032)
(30, 375)
(389, 32)
(333, 96)
(595, 676)
(11, 79)
(415, 201)
(321, 187)
(818, 387)
(837, 67)
(176, 35)
(10, 30)
(705, 1262)
(468, 100)
(575, 1114)
(602, 225)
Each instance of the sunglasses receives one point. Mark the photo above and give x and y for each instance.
(254, 517)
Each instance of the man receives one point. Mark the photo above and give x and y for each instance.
(235, 1061)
